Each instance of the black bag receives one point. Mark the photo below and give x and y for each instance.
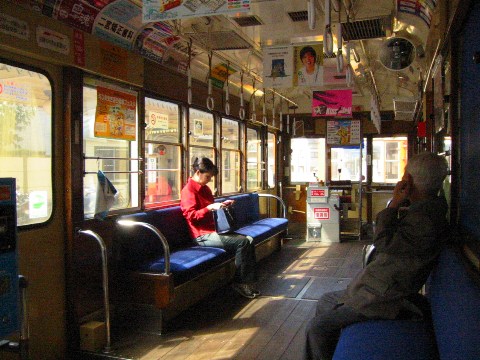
(224, 220)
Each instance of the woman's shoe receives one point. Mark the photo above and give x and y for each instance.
(245, 290)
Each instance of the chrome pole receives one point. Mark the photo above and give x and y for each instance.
(106, 301)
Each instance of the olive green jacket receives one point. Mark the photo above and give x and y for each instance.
(407, 246)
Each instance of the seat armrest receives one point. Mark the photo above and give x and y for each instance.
(284, 207)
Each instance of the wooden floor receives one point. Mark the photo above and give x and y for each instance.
(272, 326)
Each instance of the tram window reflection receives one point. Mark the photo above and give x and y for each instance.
(26, 140)
(162, 152)
(254, 160)
(201, 140)
(230, 153)
(110, 155)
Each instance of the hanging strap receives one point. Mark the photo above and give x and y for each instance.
(210, 100)
(189, 74)
(241, 112)
(227, 103)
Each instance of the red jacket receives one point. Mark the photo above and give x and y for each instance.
(194, 201)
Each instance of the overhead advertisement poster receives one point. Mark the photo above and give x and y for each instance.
(308, 60)
(155, 40)
(278, 67)
(343, 132)
(332, 103)
(115, 114)
(159, 10)
(118, 23)
(219, 74)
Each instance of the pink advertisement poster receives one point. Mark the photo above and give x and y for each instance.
(332, 103)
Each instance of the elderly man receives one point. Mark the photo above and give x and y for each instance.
(407, 244)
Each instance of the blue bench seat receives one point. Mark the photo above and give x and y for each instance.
(263, 229)
(140, 260)
(188, 263)
(453, 334)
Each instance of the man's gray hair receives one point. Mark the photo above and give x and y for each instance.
(428, 171)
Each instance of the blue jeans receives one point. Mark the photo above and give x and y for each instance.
(323, 331)
(239, 245)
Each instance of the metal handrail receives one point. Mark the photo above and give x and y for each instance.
(114, 172)
(24, 330)
(163, 240)
(284, 207)
(106, 302)
(111, 158)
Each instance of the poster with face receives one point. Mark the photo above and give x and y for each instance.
(308, 60)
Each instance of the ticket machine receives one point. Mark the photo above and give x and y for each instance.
(323, 217)
(9, 321)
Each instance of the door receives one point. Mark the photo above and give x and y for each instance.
(33, 154)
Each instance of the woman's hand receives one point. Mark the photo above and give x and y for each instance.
(215, 206)
(228, 202)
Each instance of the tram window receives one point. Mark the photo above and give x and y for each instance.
(307, 158)
(201, 130)
(389, 159)
(345, 164)
(26, 140)
(115, 157)
(162, 152)
(230, 151)
(271, 156)
(254, 160)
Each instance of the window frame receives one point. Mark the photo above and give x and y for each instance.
(178, 144)
(385, 140)
(214, 185)
(237, 151)
(134, 159)
(51, 82)
(260, 163)
(269, 167)
(319, 156)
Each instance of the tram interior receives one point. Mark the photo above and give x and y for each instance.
(228, 86)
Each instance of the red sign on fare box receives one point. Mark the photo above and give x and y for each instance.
(318, 192)
(321, 213)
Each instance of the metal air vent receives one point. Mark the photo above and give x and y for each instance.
(245, 21)
(221, 40)
(366, 29)
(404, 108)
(332, 56)
(297, 16)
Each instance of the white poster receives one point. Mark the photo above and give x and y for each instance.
(159, 10)
(278, 67)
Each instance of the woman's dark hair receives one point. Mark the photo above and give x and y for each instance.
(308, 49)
(204, 165)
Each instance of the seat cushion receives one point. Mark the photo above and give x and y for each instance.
(387, 340)
(188, 263)
(455, 303)
(263, 229)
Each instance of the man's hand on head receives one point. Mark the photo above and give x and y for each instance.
(400, 193)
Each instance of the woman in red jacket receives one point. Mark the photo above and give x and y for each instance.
(197, 205)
